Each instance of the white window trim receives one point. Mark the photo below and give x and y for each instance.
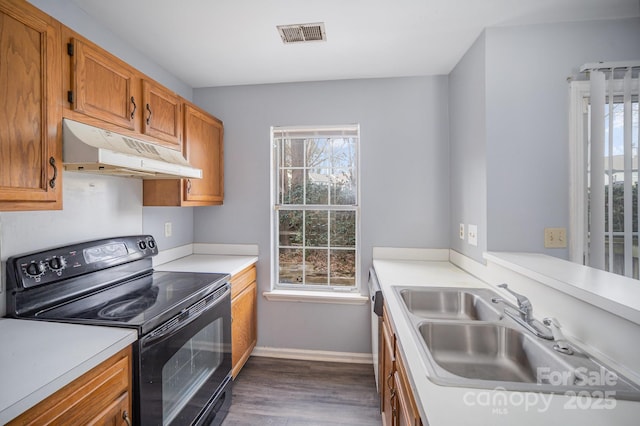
(579, 90)
(335, 295)
(311, 296)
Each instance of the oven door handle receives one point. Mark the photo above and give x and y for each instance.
(179, 321)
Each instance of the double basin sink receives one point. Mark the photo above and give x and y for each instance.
(467, 341)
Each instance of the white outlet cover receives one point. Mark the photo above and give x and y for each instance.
(461, 232)
(167, 229)
(473, 234)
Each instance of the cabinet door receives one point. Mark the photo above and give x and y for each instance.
(116, 414)
(30, 109)
(162, 116)
(243, 327)
(203, 148)
(406, 409)
(102, 86)
(387, 388)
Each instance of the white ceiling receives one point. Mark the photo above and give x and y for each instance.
(235, 42)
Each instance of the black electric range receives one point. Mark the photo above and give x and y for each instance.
(182, 319)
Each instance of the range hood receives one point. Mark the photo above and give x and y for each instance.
(93, 150)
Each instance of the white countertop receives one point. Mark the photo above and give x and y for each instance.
(38, 358)
(227, 264)
(447, 405)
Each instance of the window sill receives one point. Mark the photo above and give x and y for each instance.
(315, 297)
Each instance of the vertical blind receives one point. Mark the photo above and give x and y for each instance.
(610, 88)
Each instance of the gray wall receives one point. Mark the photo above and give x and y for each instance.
(404, 184)
(93, 207)
(467, 145)
(509, 128)
(527, 122)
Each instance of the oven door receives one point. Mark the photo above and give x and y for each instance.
(185, 365)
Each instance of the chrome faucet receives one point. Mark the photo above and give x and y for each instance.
(524, 304)
(523, 314)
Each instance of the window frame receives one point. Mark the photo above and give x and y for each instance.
(276, 207)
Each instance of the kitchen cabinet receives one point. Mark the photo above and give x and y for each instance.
(162, 115)
(203, 147)
(101, 90)
(101, 396)
(397, 402)
(102, 85)
(244, 319)
(30, 110)
(405, 406)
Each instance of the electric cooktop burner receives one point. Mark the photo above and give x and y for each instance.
(129, 308)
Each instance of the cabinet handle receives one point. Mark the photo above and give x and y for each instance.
(390, 381)
(188, 186)
(149, 117)
(125, 417)
(52, 182)
(133, 101)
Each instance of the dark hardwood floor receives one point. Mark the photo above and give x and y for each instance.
(270, 391)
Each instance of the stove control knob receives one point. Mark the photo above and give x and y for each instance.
(34, 269)
(142, 245)
(151, 244)
(57, 263)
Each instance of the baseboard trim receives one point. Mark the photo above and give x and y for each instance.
(311, 355)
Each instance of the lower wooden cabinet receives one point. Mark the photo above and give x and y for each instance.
(244, 334)
(387, 359)
(101, 396)
(397, 403)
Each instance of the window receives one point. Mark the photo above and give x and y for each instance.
(315, 213)
(604, 152)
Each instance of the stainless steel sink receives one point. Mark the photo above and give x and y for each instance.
(449, 304)
(465, 341)
(488, 352)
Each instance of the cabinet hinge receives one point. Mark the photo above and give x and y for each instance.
(70, 96)
(70, 49)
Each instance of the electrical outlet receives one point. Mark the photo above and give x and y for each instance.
(555, 237)
(167, 229)
(473, 234)
(461, 232)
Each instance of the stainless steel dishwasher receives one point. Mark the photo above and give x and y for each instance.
(377, 302)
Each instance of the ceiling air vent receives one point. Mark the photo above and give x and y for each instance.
(302, 33)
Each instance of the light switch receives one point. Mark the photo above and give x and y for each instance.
(555, 237)
(167, 229)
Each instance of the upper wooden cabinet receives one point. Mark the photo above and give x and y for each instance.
(203, 147)
(162, 115)
(30, 109)
(102, 85)
(101, 90)
(203, 135)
